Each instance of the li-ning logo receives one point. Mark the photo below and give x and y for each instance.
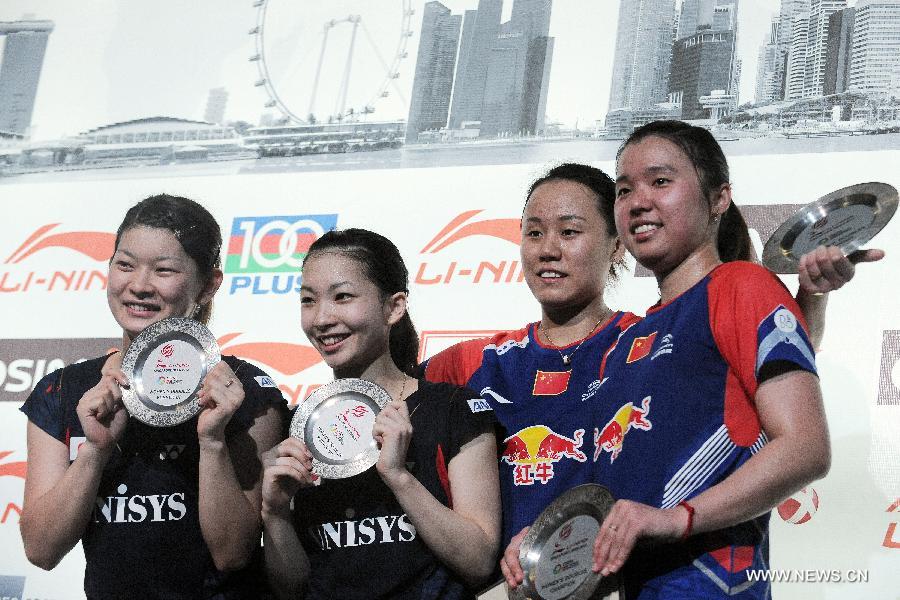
(457, 229)
(12, 469)
(94, 244)
(137, 509)
(889, 535)
(284, 357)
(460, 228)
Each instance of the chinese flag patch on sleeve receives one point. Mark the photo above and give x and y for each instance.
(550, 383)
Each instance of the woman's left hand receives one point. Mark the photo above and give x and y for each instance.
(626, 523)
(826, 269)
(220, 396)
(393, 431)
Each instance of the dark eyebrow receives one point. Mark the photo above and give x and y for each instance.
(651, 170)
(559, 218)
(155, 259)
(655, 169)
(331, 287)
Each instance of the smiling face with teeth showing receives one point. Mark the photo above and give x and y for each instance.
(151, 277)
(345, 315)
(665, 219)
(567, 248)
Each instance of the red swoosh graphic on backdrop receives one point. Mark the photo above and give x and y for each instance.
(284, 357)
(16, 469)
(504, 229)
(95, 244)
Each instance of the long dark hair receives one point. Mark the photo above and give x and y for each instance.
(191, 224)
(594, 179)
(382, 265)
(702, 149)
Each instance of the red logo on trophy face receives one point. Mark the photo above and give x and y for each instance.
(168, 350)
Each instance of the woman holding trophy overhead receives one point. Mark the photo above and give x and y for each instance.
(425, 522)
(168, 512)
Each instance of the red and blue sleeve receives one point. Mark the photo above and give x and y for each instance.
(457, 363)
(755, 322)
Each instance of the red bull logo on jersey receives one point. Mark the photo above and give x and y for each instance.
(458, 265)
(612, 436)
(532, 451)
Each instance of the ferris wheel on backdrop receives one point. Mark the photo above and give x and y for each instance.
(327, 62)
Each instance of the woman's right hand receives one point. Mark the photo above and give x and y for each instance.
(102, 415)
(509, 564)
(288, 467)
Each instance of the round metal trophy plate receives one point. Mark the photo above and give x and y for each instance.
(336, 423)
(166, 365)
(847, 218)
(558, 551)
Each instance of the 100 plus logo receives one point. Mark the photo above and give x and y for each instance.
(265, 253)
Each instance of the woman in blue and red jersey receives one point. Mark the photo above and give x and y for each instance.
(713, 413)
(542, 379)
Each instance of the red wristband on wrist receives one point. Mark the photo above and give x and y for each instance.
(689, 528)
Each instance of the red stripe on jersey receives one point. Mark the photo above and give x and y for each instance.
(740, 413)
(734, 558)
(459, 362)
(443, 476)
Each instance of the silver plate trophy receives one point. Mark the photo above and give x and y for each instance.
(847, 218)
(336, 423)
(166, 365)
(558, 551)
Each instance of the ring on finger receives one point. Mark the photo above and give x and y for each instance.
(613, 527)
(229, 382)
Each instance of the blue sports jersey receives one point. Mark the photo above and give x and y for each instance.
(542, 406)
(677, 417)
